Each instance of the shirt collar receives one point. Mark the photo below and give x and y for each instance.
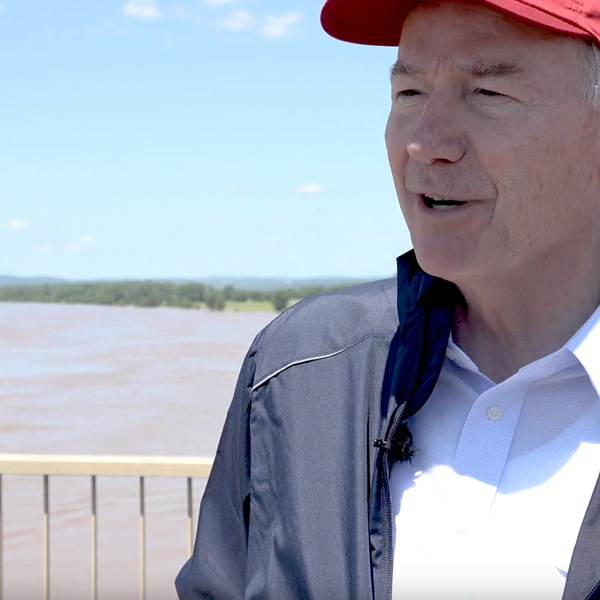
(585, 346)
(458, 356)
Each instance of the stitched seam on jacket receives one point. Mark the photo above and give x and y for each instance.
(313, 358)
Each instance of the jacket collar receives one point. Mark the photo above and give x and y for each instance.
(425, 312)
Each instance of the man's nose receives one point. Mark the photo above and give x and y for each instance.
(438, 136)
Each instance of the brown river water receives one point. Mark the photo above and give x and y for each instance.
(109, 380)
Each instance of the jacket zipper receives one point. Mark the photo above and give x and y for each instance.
(386, 492)
(594, 589)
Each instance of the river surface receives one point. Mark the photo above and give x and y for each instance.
(80, 379)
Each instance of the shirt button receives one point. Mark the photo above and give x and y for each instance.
(494, 413)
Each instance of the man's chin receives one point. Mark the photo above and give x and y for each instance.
(444, 262)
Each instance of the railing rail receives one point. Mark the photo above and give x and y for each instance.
(140, 466)
(47, 465)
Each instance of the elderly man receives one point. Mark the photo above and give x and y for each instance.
(438, 437)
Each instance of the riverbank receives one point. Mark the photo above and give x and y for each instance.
(150, 294)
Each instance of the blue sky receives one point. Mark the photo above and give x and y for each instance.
(189, 138)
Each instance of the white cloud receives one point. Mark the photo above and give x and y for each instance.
(46, 249)
(278, 26)
(16, 225)
(86, 240)
(237, 21)
(311, 188)
(217, 3)
(141, 9)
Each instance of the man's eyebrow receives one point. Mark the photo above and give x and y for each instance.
(477, 70)
(402, 68)
(481, 70)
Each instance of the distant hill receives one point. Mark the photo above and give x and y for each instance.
(10, 280)
(277, 283)
(246, 283)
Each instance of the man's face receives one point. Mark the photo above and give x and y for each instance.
(488, 118)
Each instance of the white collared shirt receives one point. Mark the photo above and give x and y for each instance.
(491, 505)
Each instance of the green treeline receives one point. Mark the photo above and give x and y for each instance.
(155, 293)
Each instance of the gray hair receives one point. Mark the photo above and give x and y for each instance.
(591, 74)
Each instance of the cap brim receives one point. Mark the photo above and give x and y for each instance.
(379, 22)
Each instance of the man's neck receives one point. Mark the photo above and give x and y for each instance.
(503, 327)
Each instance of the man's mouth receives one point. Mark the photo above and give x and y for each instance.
(440, 203)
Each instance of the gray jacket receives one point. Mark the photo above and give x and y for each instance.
(298, 505)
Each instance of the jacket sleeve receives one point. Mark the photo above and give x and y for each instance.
(217, 568)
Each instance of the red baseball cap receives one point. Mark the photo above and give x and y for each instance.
(379, 22)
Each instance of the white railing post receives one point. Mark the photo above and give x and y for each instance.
(46, 525)
(142, 542)
(190, 516)
(94, 536)
(1, 545)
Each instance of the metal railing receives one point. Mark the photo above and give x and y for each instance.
(47, 465)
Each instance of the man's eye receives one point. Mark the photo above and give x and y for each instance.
(488, 93)
(408, 93)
